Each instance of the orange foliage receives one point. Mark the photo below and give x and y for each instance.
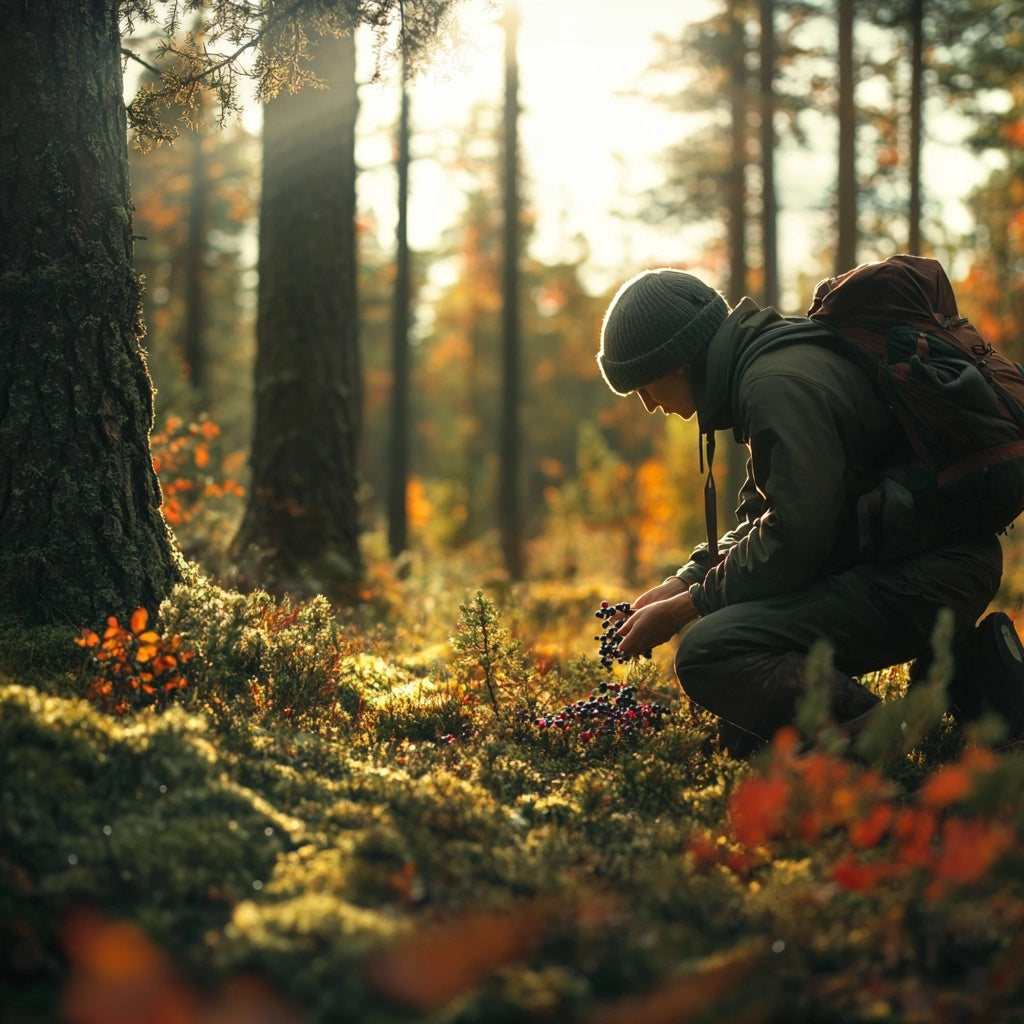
(757, 809)
(418, 506)
(179, 452)
(132, 667)
(804, 796)
(1014, 133)
(433, 966)
(656, 514)
(117, 976)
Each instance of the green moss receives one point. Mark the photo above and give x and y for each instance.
(243, 840)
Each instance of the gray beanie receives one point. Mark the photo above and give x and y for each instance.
(658, 321)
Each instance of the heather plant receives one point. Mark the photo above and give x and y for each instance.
(270, 658)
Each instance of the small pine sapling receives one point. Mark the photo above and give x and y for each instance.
(485, 649)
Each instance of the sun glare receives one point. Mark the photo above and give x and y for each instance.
(589, 143)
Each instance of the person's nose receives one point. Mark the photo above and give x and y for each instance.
(649, 404)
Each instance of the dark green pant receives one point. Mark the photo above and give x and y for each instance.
(744, 662)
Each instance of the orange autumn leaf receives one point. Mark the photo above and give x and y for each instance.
(946, 786)
(786, 742)
(914, 829)
(436, 964)
(855, 876)
(139, 619)
(869, 830)
(685, 998)
(969, 848)
(757, 809)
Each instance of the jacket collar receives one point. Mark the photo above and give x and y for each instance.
(714, 390)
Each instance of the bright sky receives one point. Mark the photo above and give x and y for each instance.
(585, 143)
(587, 146)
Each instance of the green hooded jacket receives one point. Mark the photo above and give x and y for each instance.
(818, 434)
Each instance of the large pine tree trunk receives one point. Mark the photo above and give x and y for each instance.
(300, 533)
(81, 534)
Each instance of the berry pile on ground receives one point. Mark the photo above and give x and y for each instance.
(611, 710)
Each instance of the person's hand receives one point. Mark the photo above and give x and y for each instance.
(670, 588)
(654, 624)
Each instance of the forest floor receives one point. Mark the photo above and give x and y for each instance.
(445, 808)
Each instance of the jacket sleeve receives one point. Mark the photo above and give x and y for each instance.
(751, 506)
(798, 465)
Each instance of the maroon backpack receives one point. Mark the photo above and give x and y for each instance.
(960, 403)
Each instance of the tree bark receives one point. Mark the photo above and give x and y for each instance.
(193, 340)
(916, 124)
(846, 245)
(398, 469)
(769, 206)
(510, 513)
(736, 184)
(300, 533)
(736, 210)
(81, 533)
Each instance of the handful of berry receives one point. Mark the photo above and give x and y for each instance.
(608, 637)
(611, 709)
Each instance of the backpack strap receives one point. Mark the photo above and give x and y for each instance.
(792, 331)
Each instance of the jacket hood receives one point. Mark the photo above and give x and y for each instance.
(714, 391)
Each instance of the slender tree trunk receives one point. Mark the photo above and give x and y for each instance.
(81, 534)
(300, 533)
(510, 517)
(398, 468)
(193, 343)
(734, 460)
(846, 246)
(735, 185)
(769, 210)
(916, 124)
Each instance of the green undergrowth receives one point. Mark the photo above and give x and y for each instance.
(340, 819)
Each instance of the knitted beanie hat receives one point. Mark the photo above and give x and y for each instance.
(658, 321)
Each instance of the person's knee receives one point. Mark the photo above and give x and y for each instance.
(696, 674)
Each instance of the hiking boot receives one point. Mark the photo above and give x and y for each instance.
(989, 676)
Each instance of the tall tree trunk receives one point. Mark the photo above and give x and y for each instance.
(81, 534)
(735, 185)
(193, 343)
(769, 209)
(300, 533)
(510, 514)
(736, 205)
(916, 124)
(398, 468)
(846, 244)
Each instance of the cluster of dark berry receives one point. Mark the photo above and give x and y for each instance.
(466, 732)
(608, 638)
(611, 709)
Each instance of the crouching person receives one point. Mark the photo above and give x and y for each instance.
(791, 571)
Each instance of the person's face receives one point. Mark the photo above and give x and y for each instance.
(671, 394)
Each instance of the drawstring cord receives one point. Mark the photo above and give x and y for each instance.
(707, 441)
